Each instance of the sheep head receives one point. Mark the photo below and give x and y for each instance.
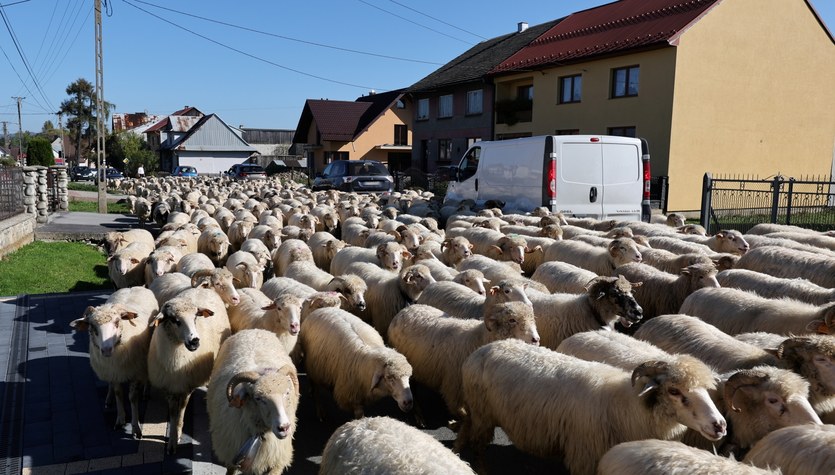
(270, 395)
(700, 276)
(414, 279)
(512, 248)
(221, 281)
(286, 313)
(456, 249)
(391, 378)
(392, 255)
(680, 387)
(612, 299)
(624, 251)
(178, 317)
(825, 325)
(509, 290)
(813, 357)
(731, 241)
(104, 324)
(352, 288)
(473, 279)
(512, 320)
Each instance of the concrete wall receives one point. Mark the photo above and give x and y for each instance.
(16, 232)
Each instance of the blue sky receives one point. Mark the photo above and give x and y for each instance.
(253, 62)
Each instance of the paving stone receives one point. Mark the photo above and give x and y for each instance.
(37, 455)
(36, 434)
(77, 467)
(105, 463)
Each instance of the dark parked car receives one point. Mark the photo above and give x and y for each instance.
(247, 171)
(367, 176)
(185, 171)
(82, 173)
(113, 174)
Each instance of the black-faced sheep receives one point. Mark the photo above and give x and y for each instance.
(552, 404)
(777, 261)
(437, 345)
(190, 329)
(737, 311)
(599, 260)
(356, 447)
(281, 316)
(776, 287)
(345, 353)
(388, 293)
(119, 342)
(252, 398)
(663, 457)
(796, 450)
(606, 301)
(661, 292)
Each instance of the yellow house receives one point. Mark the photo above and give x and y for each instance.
(722, 86)
(374, 127)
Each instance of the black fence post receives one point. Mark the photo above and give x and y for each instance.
(789, 201)
(775, 197)
(704, 214)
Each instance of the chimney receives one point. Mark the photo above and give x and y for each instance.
(521, 26)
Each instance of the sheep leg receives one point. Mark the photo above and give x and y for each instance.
(317, 398)
(136, 428)
(476, 436)
(176, 411)
(108, 400)
(118, 394)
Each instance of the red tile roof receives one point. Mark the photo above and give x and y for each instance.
(618, 26)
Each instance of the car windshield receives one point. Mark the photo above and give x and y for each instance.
(252, 169)
(367, 169)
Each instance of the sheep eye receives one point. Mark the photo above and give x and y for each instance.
(178, 322)
(674, 392)
(512, 321)
(773, 400)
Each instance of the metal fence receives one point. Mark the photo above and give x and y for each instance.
(52, 199)
(417, 179)
(11, 192)
(741, 202)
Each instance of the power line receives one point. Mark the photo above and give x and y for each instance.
(13, 3)
(413, 22)
(250, 55)
(20, 78)
(437, 19)
(321, 45)
(57, 44)
(23, 57)
(69, 47)
(46, 33)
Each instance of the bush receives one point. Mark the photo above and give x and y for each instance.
(39, 152)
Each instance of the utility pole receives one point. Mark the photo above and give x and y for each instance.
(6, 135)
(61, 128)
(101, 163)
(19, 132)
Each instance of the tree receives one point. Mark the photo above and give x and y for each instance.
(49, 128)
(39, 152)
(81, 114)
(127, 151)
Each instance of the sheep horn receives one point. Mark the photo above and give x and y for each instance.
(242, 377)
(199, 275)
(792, 343)
(650, 369)
(738, 380)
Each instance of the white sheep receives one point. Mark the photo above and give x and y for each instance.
(737, 311)
(219, 280)
(492, 269)
(606, 301)
(119, 342)
(391, 256)
(190, 329)
(601, 261)
(777, 261)
(671, 262)
(458, 302)
(262, 253)
(563, 277)
(291, 250)
(126, 267)
(439, 270)
(796, 450)
(214, 243)
(162, 260)
(675, 244)
(345, 353)
(281, 316)
(308, 273)
(116, 240)
(613, 348)
(270, 236)
(663, 457)
(356, 447)
(661, 292)
(776, 287)
(387, 292)
(552, 404)
(437, 345)
(673, 220)
(252, 398)
(494, 244)
(730, 241)
(324, 246)
(246, 270)
(349, 287)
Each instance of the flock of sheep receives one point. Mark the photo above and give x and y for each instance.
(610, 347)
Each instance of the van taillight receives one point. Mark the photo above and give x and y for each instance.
(647, 179)
(552, 179)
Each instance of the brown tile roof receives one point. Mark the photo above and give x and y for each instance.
(614, 27)
(342, 121)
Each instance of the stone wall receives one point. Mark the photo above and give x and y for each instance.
(36, 196)
(16, 232)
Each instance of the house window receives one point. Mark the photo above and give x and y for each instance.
(474, 102)
(625, 81)
(401, 135)
(445, 106)
(524, 92)
(444, 150)
(627, 131)
(568, 132)
(423, 109)
(571, 89)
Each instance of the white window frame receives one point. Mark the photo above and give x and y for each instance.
(475, 102)
(445, 106)
(423, 109)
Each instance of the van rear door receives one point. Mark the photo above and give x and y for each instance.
(579, 176)
(623, 183)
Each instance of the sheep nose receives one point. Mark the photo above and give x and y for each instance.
(408, 404)
(193, 344)
(294, 328)
(535, 340)
(480, 292)
(720, 427)
(361, 306)
(107, 351)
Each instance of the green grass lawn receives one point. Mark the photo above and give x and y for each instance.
(93, 207)
(88, 186)
(48, 267)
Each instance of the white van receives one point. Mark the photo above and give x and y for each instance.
(596, 176)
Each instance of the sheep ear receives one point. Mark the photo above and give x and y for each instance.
(491, 323)
(529, 250)
(407, 255)
(494, 290)
(129, 316)
(204, 312)
(497, 248)
(80, 324)
(271, 306)
(156, 320)
(684, 271)
(818, 326)
(396, 235)
(377, 378)
(600, 296)
(134, 260)
(636, 285)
